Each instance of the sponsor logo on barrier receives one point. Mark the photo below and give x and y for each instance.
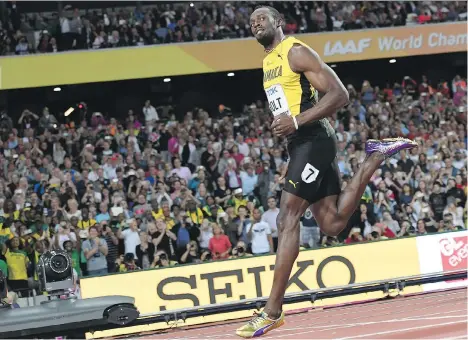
(251, 274)
(235, 280)
(442, 253)
(454, 253)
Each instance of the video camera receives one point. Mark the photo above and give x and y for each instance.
(55, 272)
(65, 318)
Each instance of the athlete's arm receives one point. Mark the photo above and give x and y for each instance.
(305, 60)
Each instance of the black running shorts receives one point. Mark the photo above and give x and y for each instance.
(313, 172)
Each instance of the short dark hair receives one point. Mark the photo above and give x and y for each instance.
(273, 11)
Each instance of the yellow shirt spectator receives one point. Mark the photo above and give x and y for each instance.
(39, 230)
(123, 268)
(86, 224)
(157, 214)
(36, 259)
(237, 202)
(196, 216)
(5, 235)
(37, 236)
(207, 210)
(17, 264)
(170, 223)
(15, 216)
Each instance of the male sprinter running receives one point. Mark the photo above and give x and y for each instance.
(293, 74)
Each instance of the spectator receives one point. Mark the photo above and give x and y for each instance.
(310, 231)
(219, 244)
(162, 260)
(449, 224)
(240, 251)
(127, 263)
(112, 242)
(145, 252)
(182, 172)
(354, 236)
(265, 183)
(163, 238)
(390, 223)
(270, 217)
(455, 212)
(259, 233)
(438, 201)
(47, 121)
(151, 116)
(69, 247)
(249, 180)
(95, 251)
(63, 233)
(17, 262)
(206, 234)
(130, 236)
(191, 254)
(421, 228)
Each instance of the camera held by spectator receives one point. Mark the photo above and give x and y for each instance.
(127, 263)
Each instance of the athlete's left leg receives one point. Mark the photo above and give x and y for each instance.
(333, 212)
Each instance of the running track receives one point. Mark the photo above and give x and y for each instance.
(428, 316)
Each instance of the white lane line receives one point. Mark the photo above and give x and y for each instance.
(465, 336)
(314, 329)
(403, 330)
(385, 305)
(343, 325)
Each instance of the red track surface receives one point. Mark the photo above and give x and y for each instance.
(427, 316)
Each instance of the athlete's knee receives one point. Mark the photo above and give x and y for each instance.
(334, 226)
(329, 219)
(332, 232)
(287, 221)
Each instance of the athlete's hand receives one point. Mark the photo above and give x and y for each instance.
(284, 172)
(283, 126)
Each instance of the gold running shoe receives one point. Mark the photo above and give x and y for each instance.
(260, 325)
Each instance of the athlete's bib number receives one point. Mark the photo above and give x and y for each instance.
(277, 100)
(310, 173)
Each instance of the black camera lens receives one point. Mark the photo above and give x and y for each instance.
(58, 264)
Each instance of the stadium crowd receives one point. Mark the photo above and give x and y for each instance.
(151, 191)
(71, 28)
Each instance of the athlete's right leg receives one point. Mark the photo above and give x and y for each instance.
(291, 209)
